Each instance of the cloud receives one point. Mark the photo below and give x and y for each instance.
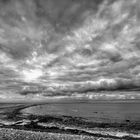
(69, 46)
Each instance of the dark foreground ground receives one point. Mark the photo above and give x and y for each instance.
(71, 120)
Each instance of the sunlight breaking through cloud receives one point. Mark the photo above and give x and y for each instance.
(31, 75)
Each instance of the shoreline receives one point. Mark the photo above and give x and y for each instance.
(16, 118)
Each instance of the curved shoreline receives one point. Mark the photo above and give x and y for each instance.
(19, 120)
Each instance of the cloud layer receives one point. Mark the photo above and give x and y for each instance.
(66, 47)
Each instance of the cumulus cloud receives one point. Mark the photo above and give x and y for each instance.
(51, 47)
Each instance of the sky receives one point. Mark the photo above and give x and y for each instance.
(54, 48)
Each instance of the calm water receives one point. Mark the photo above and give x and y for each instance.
(94, 111)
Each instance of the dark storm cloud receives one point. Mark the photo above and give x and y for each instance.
(66, 46)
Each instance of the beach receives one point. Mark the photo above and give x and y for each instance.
(71, 119)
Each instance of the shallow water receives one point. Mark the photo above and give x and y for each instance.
(95, 111)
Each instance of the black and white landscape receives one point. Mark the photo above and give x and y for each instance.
(69, 69)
